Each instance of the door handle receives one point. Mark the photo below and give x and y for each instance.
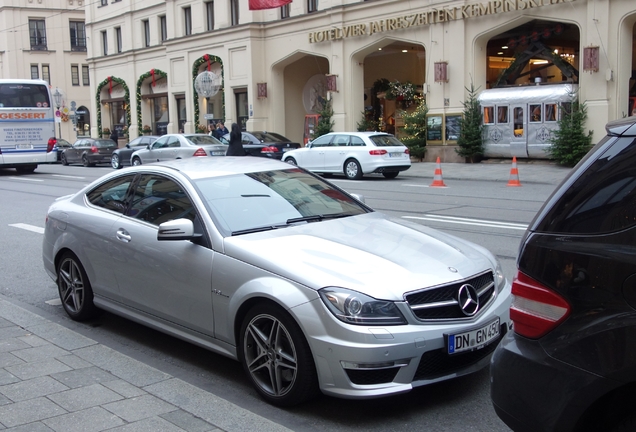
(123, 235)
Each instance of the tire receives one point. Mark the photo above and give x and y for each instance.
(276, 356)
(114, 161)
(75, 289)
(291, 161)
(390, 174)
(136, 161)
(26, 169)
(352, 169)
(85, 162)
(64, 161)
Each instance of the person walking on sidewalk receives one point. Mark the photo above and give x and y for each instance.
(236, 147)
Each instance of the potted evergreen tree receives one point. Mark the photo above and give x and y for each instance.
(325, 124)
(415, 128)
(470, 144)
(569, 141)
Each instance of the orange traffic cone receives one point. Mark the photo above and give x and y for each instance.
(514, 173)
(437, 178)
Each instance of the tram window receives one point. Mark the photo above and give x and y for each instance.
(489, 117)
(535, 113)
(518, 126)
(550, 112)
(502, 114)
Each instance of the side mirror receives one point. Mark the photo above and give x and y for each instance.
(177, 229)
(358, 197)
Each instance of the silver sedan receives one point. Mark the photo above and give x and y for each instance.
(179, 146)
(266, 263)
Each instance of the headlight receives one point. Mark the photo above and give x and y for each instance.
(500, 279)
(353, 307)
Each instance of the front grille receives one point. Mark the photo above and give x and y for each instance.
(372, 376)
(440, 302)
(438, 363)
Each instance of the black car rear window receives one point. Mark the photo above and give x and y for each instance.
(602, 199)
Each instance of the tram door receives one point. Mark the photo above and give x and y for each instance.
(519, 141)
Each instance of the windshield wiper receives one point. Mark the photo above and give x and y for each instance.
(316, 218)
(259, 229)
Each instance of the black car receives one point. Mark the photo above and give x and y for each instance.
(262, 143)
(89, 151)
(121, 156)
(570, 364)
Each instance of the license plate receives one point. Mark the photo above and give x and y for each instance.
(24, 146)
(218, 153)
(473, 339)
(395, 154)
(287, 149)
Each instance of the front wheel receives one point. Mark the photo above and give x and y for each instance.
(291, 161)
(64, 161)
(390, 174)
(352, 169)
(114, 161)
(276, 356)
(136, 161)
(75, 289)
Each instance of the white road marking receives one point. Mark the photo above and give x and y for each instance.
(54, 302)
(467, 221)
(68, 176)
(28, 227)
(416, 185)
(26, 179)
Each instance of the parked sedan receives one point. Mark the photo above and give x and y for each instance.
(353, 154)
(266, 144)
(570, 364)
(179, 146)
(371, 305)
(89, 152)
(121, 156)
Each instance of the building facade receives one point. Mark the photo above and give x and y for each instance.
(272, 68)
(47, 40)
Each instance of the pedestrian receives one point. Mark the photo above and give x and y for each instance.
(221, 130)
(211, 130)
(114, 136)
(236, 147)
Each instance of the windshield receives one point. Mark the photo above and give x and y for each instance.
(24, 96)
(102, 143)
(273, 199)
(202, 139)
(385, 141)
(269, 137)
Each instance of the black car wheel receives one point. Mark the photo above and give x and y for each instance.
(352, 169)
(114, 161)
(276, 356)
(390, 174)
(64, 161)
(75, 290)
(86, 162)
(136, 161)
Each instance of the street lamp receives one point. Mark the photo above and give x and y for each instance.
(57, 95)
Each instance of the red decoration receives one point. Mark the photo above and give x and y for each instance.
(152, 72)
(207, 59)
(547, 32)
(267, 4)
(512, 43)
(110, 85)
(535, 35)
(558, 29)
(523, 40)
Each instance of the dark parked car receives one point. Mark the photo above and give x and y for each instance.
(121, 156)
(266, 144)
(89, 151)
(570, 364)
(61, 145)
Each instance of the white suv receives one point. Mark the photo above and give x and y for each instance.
(354, 154)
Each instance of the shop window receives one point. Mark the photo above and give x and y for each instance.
(434, 128)
(452, 127)
(489, 115)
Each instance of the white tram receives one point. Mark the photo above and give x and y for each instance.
(518, 121)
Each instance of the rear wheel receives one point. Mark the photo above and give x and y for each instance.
(276, 356)
(390, 174)
(86, 162)
(75, 289)
(352, 169)
(136, 161)
(114, 161)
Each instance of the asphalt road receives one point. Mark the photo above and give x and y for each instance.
(483, 211)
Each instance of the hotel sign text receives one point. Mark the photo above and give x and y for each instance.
(431, 16)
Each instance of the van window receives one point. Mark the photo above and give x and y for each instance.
(502, 114)
(489, 117)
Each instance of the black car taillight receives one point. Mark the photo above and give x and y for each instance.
(536, 310)
(94, 149)
(269, 149)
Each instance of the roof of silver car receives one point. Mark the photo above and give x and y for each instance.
(201, 167)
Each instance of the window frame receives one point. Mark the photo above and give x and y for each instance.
(104, 42)
(36, 68)
(312, 6)
(163, 28)
(187, 21)
(77, 31)
(75, 79)
(86, 79)
(46, 73)
(145, 28)
(118, 39)
(37, 34)
(234, 12)
(209, 15)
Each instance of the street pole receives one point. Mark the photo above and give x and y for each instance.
(57, 95)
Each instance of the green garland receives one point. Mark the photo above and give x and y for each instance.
(99, 105)
(195, 72)
(140, 81)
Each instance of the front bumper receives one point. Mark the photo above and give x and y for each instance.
(360, 362)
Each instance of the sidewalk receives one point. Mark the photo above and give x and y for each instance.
(498, 170)
(54, 379)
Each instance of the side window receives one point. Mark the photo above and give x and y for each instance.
(174, 142)
(112, 195)
(322, 141)
(357, 141)
(489, 115)
(502, 114)
(158, 199)
(603, 198)
(535, 113)
(518, 125)
(340, 140)
(160, 143)
(245, 139)
(550, 112)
